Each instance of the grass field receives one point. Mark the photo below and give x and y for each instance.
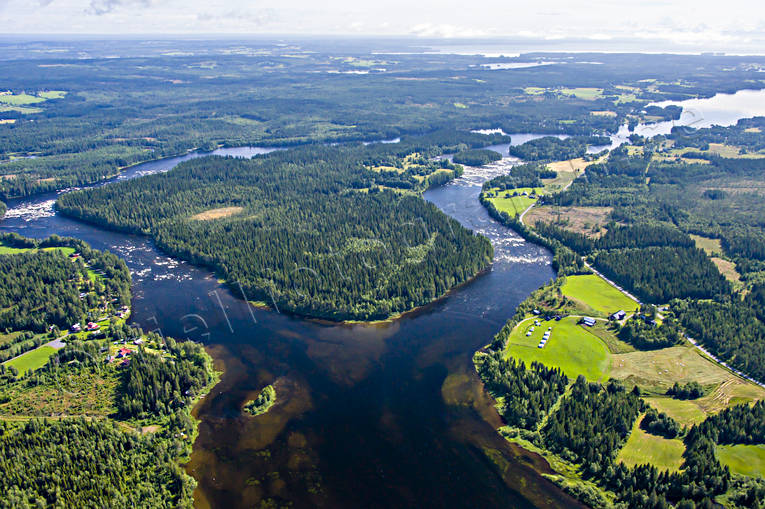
(732, 391)
(587, 93)
(595, 293)
(571, 347)
(727, 269)
(16, 250)
(743, 459)
(21, 109)
(710, 246)
(514, 205)
(32, 360)
(208, 215)
(21, 99)
(657, 370)
(53, 94)
(642, 447)
(685, 412)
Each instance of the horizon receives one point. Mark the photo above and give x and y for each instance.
(680, 26)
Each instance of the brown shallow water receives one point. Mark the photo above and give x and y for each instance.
(384, 415)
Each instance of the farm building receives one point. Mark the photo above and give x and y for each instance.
(619, 315)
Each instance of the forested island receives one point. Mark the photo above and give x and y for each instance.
(102, 417)
(605, 393)
(320, 231)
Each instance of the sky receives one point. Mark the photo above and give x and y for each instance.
(697, 25)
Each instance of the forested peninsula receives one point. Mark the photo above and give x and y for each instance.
(98, 415)
(338, 233)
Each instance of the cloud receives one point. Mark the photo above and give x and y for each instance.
(257, 18)
(447, 31)
(101, 7)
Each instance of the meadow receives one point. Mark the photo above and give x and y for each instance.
(595, 293)
(743, 459)
(642, 447)
(32, 360)
(571, 347)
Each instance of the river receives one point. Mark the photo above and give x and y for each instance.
(384, 415)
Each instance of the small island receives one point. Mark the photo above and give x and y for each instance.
(262, 403)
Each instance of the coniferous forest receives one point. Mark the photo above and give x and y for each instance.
(314, 231)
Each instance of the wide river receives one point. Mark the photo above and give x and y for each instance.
(387, 415)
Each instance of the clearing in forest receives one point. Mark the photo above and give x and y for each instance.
(588, 221)
(219, 213)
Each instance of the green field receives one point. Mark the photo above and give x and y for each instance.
(16, 250)
(642, 447)
(514, 205)
(53, 94)
(21, 99)
(588, 93)
(685, 412)
(743, 459)
(32, 360)
(595, 293)
(571, 347)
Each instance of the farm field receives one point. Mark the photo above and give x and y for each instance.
(642, 447)
(514, 205)
(595, 293)
(32, 360)
(588, 221)
(21, 99)
(657, 370)
(571, 347)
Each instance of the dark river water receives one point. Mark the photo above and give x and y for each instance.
(384, 415)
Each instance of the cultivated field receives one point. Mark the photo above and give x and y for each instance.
(571, 347)
(595, 293)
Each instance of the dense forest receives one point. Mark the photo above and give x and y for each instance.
(523, 175)
(659, 274)
(476, 157)
(729, 328)
(73, 462)
(526, 394)
(551, 148)
(154, 386)
(313, 231)
(88, 464)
